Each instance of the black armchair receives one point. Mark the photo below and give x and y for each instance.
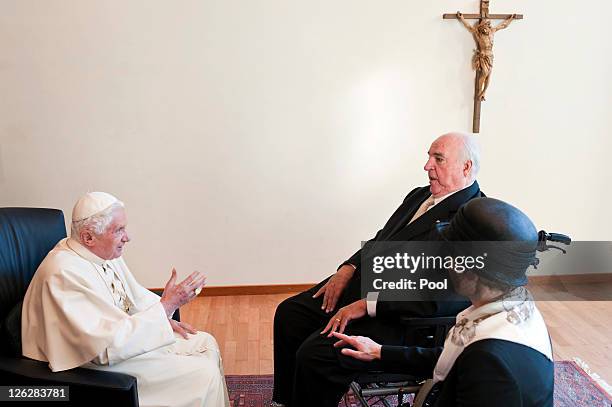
(26, 236)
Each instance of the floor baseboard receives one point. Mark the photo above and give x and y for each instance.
(297, 288)
(251, 289)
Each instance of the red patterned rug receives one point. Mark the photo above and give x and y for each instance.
(573, 388)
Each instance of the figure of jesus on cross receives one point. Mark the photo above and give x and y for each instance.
(482, 61)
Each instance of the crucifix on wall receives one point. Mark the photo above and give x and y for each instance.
(482, 61)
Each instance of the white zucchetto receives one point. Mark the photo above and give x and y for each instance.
(90, 204)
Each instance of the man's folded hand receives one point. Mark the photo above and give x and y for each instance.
(333, 288)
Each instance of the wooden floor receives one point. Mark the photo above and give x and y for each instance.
(243, 328)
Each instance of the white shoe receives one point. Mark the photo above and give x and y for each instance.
(275, 404)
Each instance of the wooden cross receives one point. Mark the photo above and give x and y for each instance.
(483, 56)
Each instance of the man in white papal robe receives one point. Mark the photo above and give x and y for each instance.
(84, 308)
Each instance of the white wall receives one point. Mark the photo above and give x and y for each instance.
(260, 141)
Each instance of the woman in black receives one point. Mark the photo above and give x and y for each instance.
(499, 351)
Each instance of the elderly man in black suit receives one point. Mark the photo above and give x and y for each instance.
(307, 369)
(500, 348)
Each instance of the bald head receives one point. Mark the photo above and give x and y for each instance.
(454, 161)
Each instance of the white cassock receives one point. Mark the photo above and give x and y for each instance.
(74, 314)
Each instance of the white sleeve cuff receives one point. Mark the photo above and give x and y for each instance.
(140, 333)
(371, 300)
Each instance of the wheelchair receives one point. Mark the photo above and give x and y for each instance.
(378, 387)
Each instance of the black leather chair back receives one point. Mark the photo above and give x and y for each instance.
(26, 236)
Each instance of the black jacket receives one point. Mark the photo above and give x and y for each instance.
(421, 229)
(488, 372)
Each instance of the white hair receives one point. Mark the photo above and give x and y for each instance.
(97, 223)
(469, 152)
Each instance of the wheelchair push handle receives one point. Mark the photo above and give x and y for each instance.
(545, 237)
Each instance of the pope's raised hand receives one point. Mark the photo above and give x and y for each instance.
(177, 295)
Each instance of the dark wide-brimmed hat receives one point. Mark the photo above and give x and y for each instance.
(507, 234)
